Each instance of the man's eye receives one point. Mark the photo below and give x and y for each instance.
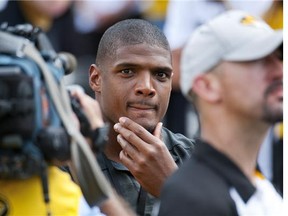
(162, 75)
(126, 71)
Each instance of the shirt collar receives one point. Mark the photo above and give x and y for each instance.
(226, 168)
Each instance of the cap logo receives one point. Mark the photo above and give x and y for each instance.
(252, 21)
(248, 20)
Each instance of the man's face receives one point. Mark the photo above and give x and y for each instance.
(254, 89)
(136, 83)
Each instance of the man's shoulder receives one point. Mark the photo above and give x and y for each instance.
(195, 187)
(172, 139)
(179, 146)
(196, 172)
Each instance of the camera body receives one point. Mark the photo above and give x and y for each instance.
(30, 128)
(36, 115)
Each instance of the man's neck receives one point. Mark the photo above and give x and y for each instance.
(237, 140)
(113, 148)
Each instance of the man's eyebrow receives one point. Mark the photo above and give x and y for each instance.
(166, 69)
(126, 64)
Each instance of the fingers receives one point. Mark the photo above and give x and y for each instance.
(131, 144)
(76, 92)
(124, 157)
(127, 148)
(136, 141)
(126, 152)
(144, 154)
(157, 131)
(131, 139)
(136, 134)
(91, 109)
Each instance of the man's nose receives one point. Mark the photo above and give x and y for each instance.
(145, 85)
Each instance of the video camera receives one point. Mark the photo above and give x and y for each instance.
(36, 124)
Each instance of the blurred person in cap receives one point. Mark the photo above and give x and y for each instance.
(232, 70)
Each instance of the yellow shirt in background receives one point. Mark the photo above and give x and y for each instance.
(25, 197)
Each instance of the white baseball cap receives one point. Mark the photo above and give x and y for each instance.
(232, 36)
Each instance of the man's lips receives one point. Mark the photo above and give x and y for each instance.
(142, 106)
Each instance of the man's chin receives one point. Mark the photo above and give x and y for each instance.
(274, 116)
(148, 125)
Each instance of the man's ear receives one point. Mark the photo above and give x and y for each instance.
(95, 78)
(207, 87)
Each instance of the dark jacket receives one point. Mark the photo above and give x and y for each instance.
(201, 186)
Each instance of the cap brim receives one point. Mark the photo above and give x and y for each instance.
(257, 48)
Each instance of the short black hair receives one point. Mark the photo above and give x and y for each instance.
(129, 32)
